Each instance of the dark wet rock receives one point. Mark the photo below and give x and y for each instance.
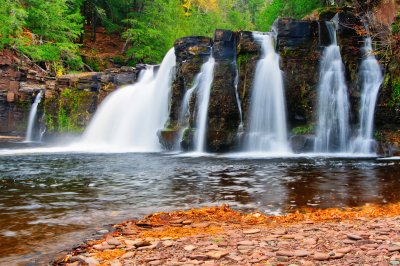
(302, 143)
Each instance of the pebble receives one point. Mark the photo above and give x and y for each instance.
(128, 255)
(155, 262)
(251, 231)
(88, 260)
(394, 248)
(168, 243)
(116, 263)
(189, 248)
(198, 257)
(310, 241)
(301, 253)
(286, 253)
(246, 243)
(217, 254)
(354, 237)
(103, 231)
(113, 241)
(141, 243)
(321, 256)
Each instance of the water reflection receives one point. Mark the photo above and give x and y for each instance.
(51, 201)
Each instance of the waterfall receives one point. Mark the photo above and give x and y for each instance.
(267, 130)
(130, 117)
(332, 134)
(184, 112)
(237, 96)
(203, 98)
(32, 117)
(371, 80)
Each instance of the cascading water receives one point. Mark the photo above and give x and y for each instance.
(332, 134)
(184, 113)
(32, 117)
(267, 130)
(203, 98)
(237, 97)
(130, 117)
(371, 80)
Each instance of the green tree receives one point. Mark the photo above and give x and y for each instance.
(12, 19)
(55, 25)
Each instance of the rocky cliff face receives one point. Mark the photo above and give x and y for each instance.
(20, 81)
(300, 44)
(69, 101)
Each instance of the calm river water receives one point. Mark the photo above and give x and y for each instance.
(51, 201)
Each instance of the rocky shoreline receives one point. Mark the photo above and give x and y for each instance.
(220, 236)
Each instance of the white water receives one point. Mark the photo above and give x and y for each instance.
(203, 98)
(184, 112)
(239, 104)
(267, 130)
(32, 117)
(332, 133)
(371, 78)
(130, 117)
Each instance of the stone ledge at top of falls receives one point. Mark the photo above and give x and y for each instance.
(189, 47)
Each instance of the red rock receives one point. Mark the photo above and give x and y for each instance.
(310, 241)
(354, 237)
(246, 243)
(217, 254)
(301, 253)
(128, 255)
(338, 256)
(189, 248)
(141, 243)
(394, 248)
(321, 256)
(251, 231)
(113, 241)
(199, 257)
(344, 250)
(286, 253)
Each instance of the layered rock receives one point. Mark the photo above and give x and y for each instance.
(70, 100)
(191, 53)
(20, 81)
(223, 109)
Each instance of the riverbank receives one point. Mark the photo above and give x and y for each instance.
(220, 236)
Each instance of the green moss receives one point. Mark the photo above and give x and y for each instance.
(68, 112)
(395, 98)
(243, 59)
(304, 130)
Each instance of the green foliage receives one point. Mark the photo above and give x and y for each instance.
(153, 30)
(12, 19)
(284, 8)
(51, 28)
(304, 130)
(48, 30)
(395, 99)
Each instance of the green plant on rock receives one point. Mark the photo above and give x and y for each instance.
(304, 130)
(395, 98)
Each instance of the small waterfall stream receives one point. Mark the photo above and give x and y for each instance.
(267, 130)
(332, 134)
(184, 112)
(203, 98)
(371, 80)
(32, 117)
(130, 117)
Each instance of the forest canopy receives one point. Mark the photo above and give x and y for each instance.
(51, 31)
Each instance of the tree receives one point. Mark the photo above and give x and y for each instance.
(12, 19)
